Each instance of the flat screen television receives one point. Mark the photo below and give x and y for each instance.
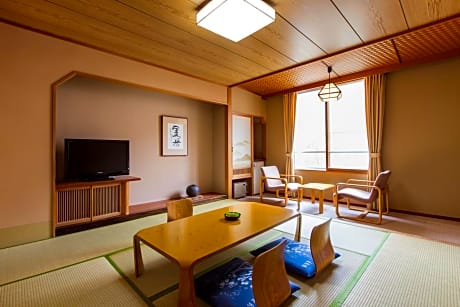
(91, 159)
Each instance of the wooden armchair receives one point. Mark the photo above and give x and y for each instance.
(272, 181)
(179, 208)
(366, 192)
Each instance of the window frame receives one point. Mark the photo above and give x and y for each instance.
(327, 152)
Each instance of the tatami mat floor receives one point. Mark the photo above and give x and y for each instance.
(95, 267)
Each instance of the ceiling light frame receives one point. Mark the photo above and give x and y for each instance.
(235, 19)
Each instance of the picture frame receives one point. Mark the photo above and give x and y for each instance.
(174, 135)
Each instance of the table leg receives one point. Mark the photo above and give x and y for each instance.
(299, 198)
(321, 201)
(138, 263)
(313, 196)
(298, 228)
(261, 190)
(186, 287)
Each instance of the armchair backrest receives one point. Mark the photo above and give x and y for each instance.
(270, 281)
(271, 171)
(381, 181)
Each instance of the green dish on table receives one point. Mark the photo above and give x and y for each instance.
(232, 215)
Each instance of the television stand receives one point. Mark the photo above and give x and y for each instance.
(88, 201)
(102, 178)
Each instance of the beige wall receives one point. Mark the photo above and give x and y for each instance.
(33, 62)
(245, 102)
(87, 108)
(275, 133)
(30, 64)
(219, 176)
(422, 138)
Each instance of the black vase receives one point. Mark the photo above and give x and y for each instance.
(193, 190)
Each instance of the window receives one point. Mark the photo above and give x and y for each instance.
(331, 135)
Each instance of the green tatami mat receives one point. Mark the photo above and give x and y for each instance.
(376, 268)
(92, 283)
(343, 234)
(409, 271)
(30, 259)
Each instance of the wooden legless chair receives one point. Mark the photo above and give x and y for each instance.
(179, 208)
(270, 282)
(227, 285)
(303, 259)
(321, 248)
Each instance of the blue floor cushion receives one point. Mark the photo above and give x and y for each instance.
(297, 257)
(229, 285)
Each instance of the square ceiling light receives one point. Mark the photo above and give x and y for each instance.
(235, 19)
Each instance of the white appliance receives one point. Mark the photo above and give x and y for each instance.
(256, 176)
(240, 189)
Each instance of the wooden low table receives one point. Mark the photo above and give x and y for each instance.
(317, 187)
(189, 240)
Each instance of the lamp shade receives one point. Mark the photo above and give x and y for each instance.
(330, 91)
(235, 19)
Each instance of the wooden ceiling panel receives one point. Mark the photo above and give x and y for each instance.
(51, 18)
(158, 32)
(420, 12)
(429, 42)
(354, 37)
(364, 58)
(320, 21)
(373, 19)
(291, 78)
(293, 44)
(182, 14)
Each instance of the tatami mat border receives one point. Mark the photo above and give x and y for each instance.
(342, 296)
(130, 283)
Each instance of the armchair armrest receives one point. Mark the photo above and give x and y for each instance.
(284, 180)
(296, 177)
(366, 183)
(362, 181)
(341, 185)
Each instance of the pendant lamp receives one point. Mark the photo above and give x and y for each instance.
(330, 91)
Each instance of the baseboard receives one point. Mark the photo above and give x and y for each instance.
(22, 234)
(441, 217)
